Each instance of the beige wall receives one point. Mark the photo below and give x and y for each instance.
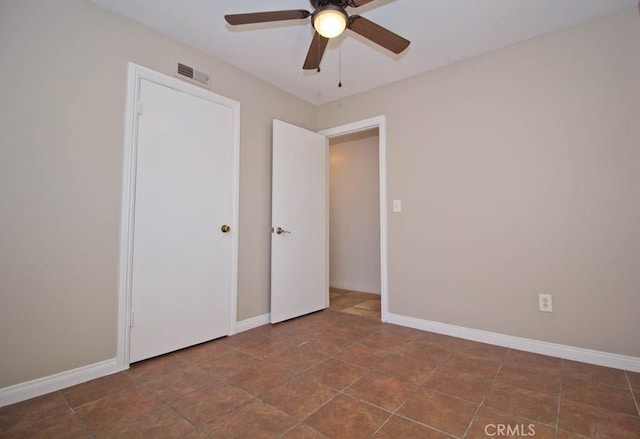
(62, 96)
(354, 206)
(519, 174)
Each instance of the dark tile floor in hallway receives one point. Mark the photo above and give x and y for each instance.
(335, 374)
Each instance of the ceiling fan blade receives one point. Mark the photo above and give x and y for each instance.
(356, 3)
(265, 17)
(378, 34)
(316, 50)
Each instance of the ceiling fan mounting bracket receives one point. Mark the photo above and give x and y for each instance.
(339, 3)
(329, 6)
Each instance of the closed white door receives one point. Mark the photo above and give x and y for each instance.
(299, 244)
(184, 194)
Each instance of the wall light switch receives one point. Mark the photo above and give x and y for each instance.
(397, 206)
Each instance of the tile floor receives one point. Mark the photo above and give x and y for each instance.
(353, 302)
(335, 374)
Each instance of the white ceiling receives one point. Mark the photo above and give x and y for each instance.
(441, 32)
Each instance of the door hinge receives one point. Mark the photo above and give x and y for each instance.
(131, 319)
(138, 108)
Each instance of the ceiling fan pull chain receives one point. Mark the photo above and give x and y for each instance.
(339, 66)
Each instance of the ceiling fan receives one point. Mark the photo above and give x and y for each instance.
(329, 19)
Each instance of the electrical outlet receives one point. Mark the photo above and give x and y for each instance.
(545, 302)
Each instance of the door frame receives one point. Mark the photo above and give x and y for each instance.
(379, 122)
(135, 74)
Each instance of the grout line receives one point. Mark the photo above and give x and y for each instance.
(347, 395)
(395, 412)
(382, 425)
(302, 424)
(77, 416)
(447, 394)
(559, 399)
(633, 395)
(372, 405)
(430, 427)
(488, 389)
(338, 392)
(296, 375)
(417, 388)
(166, 403)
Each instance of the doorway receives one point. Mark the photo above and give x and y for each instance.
(292, 293)
(373, 129)
(354, 231)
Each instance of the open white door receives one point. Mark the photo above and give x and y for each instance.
(299, 235)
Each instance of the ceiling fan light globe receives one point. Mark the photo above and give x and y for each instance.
(330, 21)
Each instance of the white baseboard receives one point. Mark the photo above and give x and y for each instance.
(253, 322)
(40, 386)
(524, 344)
(354, 287)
